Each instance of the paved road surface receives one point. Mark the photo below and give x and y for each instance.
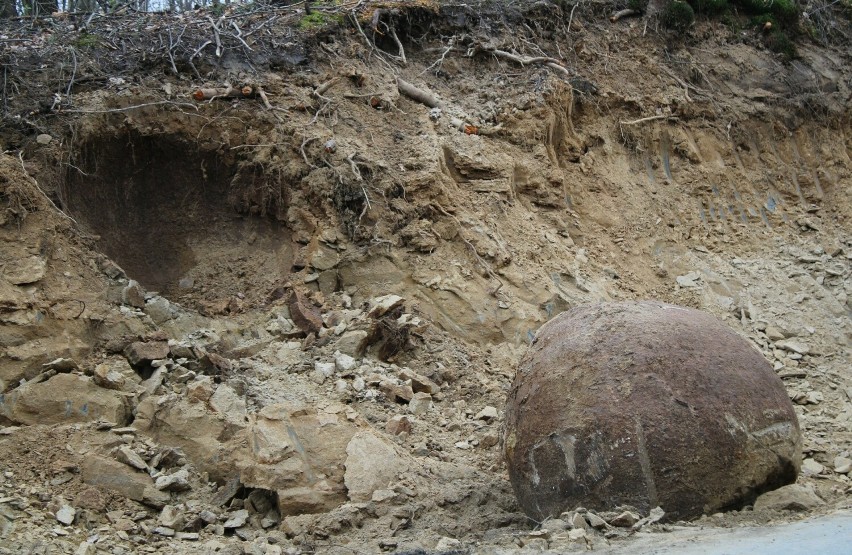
(827, 535)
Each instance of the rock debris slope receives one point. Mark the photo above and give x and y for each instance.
(288, 323)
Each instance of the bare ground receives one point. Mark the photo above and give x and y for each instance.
(700, 170)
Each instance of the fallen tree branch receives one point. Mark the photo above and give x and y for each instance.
(440, 61)
(623, 13)
(423, 97)
(320, 91)
(126, 108)
(552, 63)
(262, 94)
(38, 188)
(643, 120)
(246, 91)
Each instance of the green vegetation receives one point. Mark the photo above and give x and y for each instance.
(677, 15)
(783, 17)
(85, 40)
(315, 20)
(709, 7)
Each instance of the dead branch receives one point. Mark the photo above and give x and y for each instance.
(684, 84)
(424, 97)
(355, 170)
(216, 36)
(320, 91)
(440, 61)
(239, 37)
(200, 48)
(552, 63)
(623, 13)
(392, 31)
(246, 91)
(262, 94)
(650, 118)
(126, 108)
(38, 188)
(302, 150)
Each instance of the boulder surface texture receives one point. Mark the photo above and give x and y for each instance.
(646, 404)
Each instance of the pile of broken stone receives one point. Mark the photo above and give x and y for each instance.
(159, 423)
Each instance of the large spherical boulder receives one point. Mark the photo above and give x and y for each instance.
(646, 404)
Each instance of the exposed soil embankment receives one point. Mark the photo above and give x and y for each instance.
(266, 282)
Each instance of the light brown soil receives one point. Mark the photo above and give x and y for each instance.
(733, 198)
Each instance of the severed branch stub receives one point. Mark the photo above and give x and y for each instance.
(246, 91)
(423, 97)
(624, 13)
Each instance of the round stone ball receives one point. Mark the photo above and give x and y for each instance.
(646, 404)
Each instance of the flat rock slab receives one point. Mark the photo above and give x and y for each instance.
(64, 399)
(646, 404)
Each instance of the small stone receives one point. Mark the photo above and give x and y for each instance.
(810, 467)
(398, 424)
(86, 548)
(488, 414)
(61, 365)
(352, 342)
(419, 384)
(188, 536)
(66, 514)
(344, 363)
(43, 139)
(488, 440)
(208, 516)
(793, 346)
(689, 280)
(133, 295)
(129, 457)
(595, 521)
(448, 544)
(577, 522)
(106, 377)
(179, 481)
(774, 333)
(383, 495)
(324, 258)
(171, 517)
(358, 383)
(420, 403)
(237, 519)
(382, 305)
(464, 445)
(322, 371)
(555, 525)
(577, 534)
(625, 519)
(395, 392)
(795, 497)
(814, 398)
(842, 465)
(304, 314)
(163, 531)
(145, 352)
(25, 270)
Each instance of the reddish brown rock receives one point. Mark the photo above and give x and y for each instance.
(646, 404)
(303, 313)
